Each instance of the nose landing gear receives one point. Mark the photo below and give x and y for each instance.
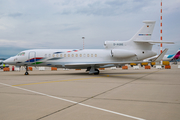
(26, 73)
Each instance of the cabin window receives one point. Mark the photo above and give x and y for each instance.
(95, 55)
(87, 55)
(61, 55)
(80, 55)
(54, 55)
(72, 55)
(68, 55)
(64, 55)
(91, 55)
(76, 55)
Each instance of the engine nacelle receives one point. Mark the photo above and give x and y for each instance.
(120, 53)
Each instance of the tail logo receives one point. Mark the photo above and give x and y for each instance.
(144, 34)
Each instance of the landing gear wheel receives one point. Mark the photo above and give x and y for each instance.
(26, 73)
(97, 72)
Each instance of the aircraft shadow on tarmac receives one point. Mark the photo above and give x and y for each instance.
(122, 75)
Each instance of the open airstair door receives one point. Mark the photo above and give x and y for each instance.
(32, 58)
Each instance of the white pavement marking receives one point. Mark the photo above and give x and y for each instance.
(125, 115)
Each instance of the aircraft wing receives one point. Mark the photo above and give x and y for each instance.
(150, 59)
(99, 65)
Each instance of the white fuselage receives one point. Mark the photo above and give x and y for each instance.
(63, 57)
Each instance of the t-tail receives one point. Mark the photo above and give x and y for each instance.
(140, 45)
(140, 41)
(145, 32)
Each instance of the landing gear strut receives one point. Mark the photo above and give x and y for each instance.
(26, 73)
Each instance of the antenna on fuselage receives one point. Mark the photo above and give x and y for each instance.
(83, 41)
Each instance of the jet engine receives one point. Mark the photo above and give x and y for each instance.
(120, 53)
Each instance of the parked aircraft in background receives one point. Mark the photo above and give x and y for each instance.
(116, 53)
(173, 57)
(170, 58)
(1, 63)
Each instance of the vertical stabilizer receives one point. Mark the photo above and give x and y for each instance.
(177, 55)
(145, 32)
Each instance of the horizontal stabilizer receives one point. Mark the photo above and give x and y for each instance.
(152, 42)
(160, 57)
(163, 42)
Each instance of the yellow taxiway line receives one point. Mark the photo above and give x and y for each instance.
(104, 75)
(57, 81)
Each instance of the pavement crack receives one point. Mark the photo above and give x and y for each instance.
(119, 86)
(164, 102)
(94, 96)
(57, 111)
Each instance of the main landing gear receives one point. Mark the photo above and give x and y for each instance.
(93, 70)
(96, 72)
(26, 73)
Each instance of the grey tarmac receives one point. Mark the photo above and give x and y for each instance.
(75, 95)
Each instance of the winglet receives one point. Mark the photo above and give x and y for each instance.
(160, 57)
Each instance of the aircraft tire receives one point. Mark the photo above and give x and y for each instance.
(97, 72)
(26, 73)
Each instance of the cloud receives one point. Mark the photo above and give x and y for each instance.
(12, 43)
(101, 8)
(62, 23)
(171, 7)
(14, 15)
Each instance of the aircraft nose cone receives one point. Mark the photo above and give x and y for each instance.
(9, 61)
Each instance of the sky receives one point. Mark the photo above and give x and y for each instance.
(61, 24)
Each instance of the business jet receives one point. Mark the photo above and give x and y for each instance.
(116, 53)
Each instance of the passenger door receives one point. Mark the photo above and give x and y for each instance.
(32, 58)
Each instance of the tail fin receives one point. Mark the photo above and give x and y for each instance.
(145, 32)
(177, 55)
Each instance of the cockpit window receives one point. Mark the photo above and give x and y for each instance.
(21, 54)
